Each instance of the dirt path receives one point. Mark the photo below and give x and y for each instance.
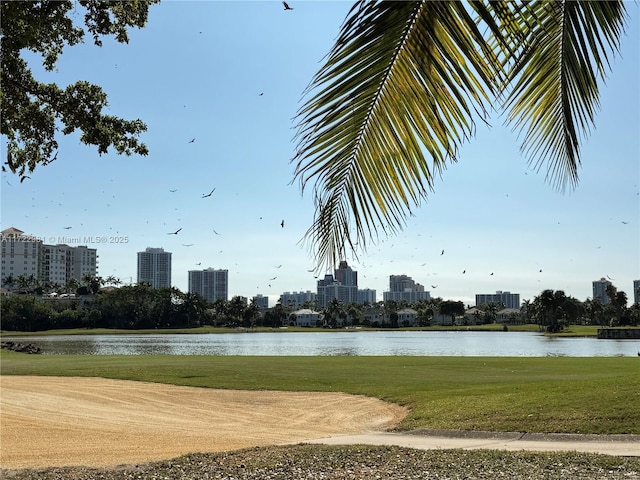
(56, 421)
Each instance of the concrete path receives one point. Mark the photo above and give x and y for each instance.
(617, 445)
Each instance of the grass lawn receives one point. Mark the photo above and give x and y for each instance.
(542, 394)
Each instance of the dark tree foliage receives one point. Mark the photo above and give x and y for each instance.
(34, 112)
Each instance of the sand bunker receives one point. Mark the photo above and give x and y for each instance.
(61, 421)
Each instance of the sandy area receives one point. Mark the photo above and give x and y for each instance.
(57, 421)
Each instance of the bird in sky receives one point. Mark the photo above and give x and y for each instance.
(192, 140)
(609, 277)
(464, 271)
(199, 263)
(24, 177)
(279, 266)
(174, 233)
(282, 224)
(273, 278)
(434, 286)
(205, 195)
(622, 221)
(187, 244)
(214, 231)
(67, 228)
(491, 273)
(286, 6)
(442, 253)
(172, 191)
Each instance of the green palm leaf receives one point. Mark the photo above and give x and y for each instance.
(555, 79)
(398, 94)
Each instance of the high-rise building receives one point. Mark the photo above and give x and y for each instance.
(346, 275)
(330, 288)
(63, 263)
(297, 299)
(600, 290)
(154, 267)
(211, 284)
(404, 288)
(366, 295)
(508, 299)
(26, 255)
(636, 291)
(261, 301)
(21, 255)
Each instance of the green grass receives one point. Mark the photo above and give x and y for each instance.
(542, 394)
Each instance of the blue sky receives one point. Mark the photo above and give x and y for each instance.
(231, 75)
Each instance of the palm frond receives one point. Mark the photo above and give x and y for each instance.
(555, 92)
(397, 96)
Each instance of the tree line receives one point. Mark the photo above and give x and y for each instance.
(142, 307)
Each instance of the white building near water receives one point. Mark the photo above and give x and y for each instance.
(306, 317)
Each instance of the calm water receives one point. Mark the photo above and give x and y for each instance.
(492, 344)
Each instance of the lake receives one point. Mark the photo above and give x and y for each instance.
(393, 343)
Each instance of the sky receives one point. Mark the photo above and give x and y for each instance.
(219, 84)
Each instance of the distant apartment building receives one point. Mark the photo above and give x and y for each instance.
(211, 284)
(63, 263)
(600, 290)
(346, 275)
(366, 296)
(342, 287)
(21, 255)
(26, 255)
(636, 291)
(297, 299)
(508, 299)
(260, 301)
(154, 267)
(404, 288)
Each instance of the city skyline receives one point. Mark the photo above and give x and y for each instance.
(213, 283)
(216, 187)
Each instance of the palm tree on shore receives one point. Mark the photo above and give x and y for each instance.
(406, 83)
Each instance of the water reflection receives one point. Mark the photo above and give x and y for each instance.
(394, 343)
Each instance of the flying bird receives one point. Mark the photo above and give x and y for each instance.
(286, 6)
(23, 178)
(273, 278)
(192, 140)
(442, 253)
(622, 221)
(174, 233)
(67, 228)
(279, 266)
(199, 263)
(205, 195)
(434, 286)
(187, 244)
(491, 273)
(282, 224)
(214, 231)
(464, 271)
(173, 190)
